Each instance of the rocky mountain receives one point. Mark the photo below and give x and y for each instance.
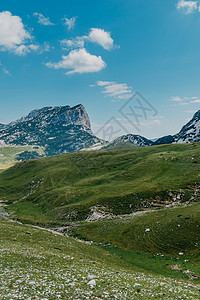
(190, 133)
(168, 139)
(2, 125)
(129, 141)
(57, 129)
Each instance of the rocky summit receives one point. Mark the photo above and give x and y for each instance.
(131, 140)
(57, 130)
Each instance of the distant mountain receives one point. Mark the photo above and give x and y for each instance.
(190, 133)
(57, 129)
(168, 139)
(128, 141)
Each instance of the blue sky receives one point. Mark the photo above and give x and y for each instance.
(99, 53)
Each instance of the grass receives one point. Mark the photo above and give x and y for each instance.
(153, 241)
(9, 154)
(65, 188)
(121, 146)
(145, 246)
(6, 166)
(38, 264)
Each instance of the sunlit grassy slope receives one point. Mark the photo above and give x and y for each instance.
(10, 154)
(36, 264)
(64, 188)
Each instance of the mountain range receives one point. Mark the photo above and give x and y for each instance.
(189, 133)
(63, 129)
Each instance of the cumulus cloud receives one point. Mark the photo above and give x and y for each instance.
(79, 61)
(117, 91)
(96, 35)
(101, 37)
(12, 32)
(70, 23)
(188, 7)
(42, 19)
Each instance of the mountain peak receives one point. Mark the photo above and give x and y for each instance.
(57, 129)
(189, 133)
(67, 115)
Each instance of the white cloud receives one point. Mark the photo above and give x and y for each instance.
(185, 100)
(104, 83)
(77, 42)
(188, 7)
(96, 35)
(101, 37)
(24, 49)
(195, 101)
(79, 61)
(117, 91)
(12, 32)
(70, 23)
(42, 19)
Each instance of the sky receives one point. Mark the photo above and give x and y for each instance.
(133, 64)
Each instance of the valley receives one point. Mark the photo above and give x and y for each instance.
(136, 212)
(130, 208)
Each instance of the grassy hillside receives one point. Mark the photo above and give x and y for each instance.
(139, 207)
(37, 264)
(120, 146)
(56, 190)
(153, 240)
(10, 154)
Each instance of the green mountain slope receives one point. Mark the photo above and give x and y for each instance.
(74, 186)
(37, 264)
(154, 240)
(140, 207)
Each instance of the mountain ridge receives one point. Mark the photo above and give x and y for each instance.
(189, 133)
(63, 129)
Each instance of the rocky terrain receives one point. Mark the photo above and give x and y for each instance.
(56, 129)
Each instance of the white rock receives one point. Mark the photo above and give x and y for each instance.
(92, 282)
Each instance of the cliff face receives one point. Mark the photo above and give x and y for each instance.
(76, 115)
(58, 129)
